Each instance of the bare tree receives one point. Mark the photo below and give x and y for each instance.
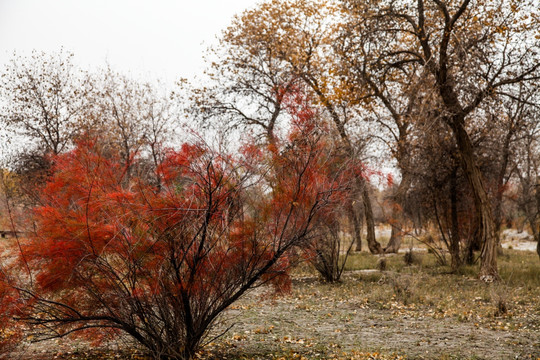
(277, 48)
(44, 100)
(526, 165)
(466, 64)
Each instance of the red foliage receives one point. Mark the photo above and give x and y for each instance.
(10, 333)
(328, 175)
(116, 253)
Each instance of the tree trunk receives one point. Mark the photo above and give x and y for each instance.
(474, 242)
(500, 188)
(533, 223)
(373, 244)
(395, 236)
(498, 220)
(454, 233)
(397, 214)
(486, 226)
(356, 221)
(538, 246)
(536, 225)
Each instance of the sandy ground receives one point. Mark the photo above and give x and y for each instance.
(511, 239)
(305, 325)
(318, 326)
(519, 241)
(321, 331)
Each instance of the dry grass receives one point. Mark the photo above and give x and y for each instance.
(418, 311)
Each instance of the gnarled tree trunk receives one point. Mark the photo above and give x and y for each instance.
(373, 244)
(486, 226)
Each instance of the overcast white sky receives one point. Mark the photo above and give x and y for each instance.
(154, 38)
